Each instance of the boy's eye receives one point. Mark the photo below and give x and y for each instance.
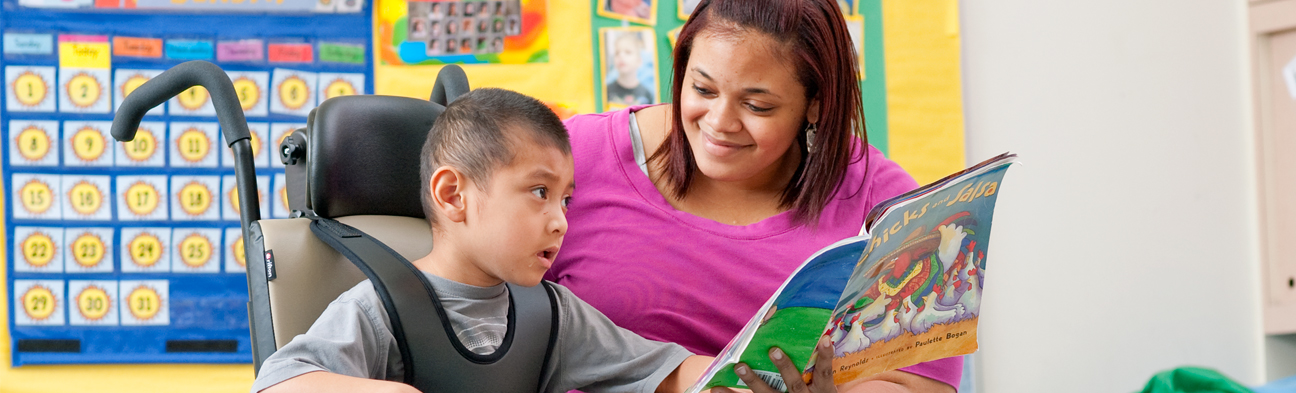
(566, 202)
(542, 193)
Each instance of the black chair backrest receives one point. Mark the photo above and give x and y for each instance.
(364, 156)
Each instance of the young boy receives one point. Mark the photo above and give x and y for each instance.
(497, 175)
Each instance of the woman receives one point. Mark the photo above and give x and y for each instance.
(688, 216)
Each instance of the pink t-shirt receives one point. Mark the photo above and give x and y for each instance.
(675, 277)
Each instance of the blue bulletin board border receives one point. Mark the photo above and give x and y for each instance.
(204, 307)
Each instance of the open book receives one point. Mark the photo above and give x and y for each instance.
(905, 291)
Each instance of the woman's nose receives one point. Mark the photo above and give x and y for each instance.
(722, 117)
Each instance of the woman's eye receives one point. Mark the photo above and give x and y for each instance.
(758, 109)
(541, 193)
(701, 90)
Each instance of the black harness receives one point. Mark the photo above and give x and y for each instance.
(415, 311)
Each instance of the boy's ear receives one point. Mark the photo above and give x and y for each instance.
(448, 187)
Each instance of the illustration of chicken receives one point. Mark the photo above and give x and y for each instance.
(971, 298)
(851, 339)
(932, 314)
(887, 330)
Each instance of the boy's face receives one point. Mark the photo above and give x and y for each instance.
(626, 55)
(518, 223)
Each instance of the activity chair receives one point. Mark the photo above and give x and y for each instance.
(353, 189)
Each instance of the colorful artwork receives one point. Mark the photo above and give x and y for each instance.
(430, 32)
(638, 11)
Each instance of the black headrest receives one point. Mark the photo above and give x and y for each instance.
(364, 153)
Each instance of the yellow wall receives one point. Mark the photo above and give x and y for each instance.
(926, 133)
(924, 86)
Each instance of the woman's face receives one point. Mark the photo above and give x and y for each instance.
(743, 107)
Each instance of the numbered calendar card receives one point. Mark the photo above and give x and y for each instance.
(132, 252)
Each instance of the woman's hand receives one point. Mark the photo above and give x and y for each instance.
(820, 382)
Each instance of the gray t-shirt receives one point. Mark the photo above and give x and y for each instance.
(353, 337)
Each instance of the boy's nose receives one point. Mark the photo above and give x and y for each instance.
(558, 224)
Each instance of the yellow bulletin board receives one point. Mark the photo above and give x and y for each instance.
(925, 119)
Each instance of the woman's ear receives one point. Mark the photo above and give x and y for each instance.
(448, 187)
(812, 112)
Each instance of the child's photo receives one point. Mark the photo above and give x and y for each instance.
(497, 45)
(513, 26)
(434, 48)
(639, 11)
(500, 9)
(451, 26)
(470, 9)
(452, 9)
(452, 46)
(435, 11)
(418, 28)
(630, 70)
(686, 8)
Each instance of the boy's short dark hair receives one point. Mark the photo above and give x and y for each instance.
(475, 134)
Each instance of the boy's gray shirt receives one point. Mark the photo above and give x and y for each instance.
(353, 337)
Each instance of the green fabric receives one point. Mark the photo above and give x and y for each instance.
(1193, 380)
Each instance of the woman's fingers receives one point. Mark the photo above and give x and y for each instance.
(753, 382)
(823, 373)
(791, 376)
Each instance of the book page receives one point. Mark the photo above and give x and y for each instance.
(791, 320)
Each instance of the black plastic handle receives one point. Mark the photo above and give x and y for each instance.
(451, 82)
(171, 83)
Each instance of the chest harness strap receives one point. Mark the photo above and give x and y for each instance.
(434, 359)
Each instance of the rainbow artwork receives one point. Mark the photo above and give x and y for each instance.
(433, 32)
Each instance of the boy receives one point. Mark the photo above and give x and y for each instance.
(496, 178)
(627, 58)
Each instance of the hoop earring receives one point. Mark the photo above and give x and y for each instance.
(810, 136)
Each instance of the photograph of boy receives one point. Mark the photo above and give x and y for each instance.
(497, 175)
(686, 8)
(630, 76)
(633, 9)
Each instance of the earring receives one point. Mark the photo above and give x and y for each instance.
(810, 137)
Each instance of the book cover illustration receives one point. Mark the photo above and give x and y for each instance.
(919, 284)
(905, 291)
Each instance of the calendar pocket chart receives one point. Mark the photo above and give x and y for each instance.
(34, 143)
(89, 250)
(88, 143)
(38, 249)
(86, 197)
(148, 149)
(235, 259)
(132, 252)
(142, 198)
(39, 302)
(197, 250)
(146, 250)
(193, 144)
(93, 303)
(30, 89)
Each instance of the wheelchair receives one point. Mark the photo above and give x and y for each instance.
(357, 161)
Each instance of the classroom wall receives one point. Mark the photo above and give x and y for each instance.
(1127, 243)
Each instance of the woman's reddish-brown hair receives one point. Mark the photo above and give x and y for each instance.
(813, 34)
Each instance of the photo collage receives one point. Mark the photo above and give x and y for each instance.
(459, 27)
